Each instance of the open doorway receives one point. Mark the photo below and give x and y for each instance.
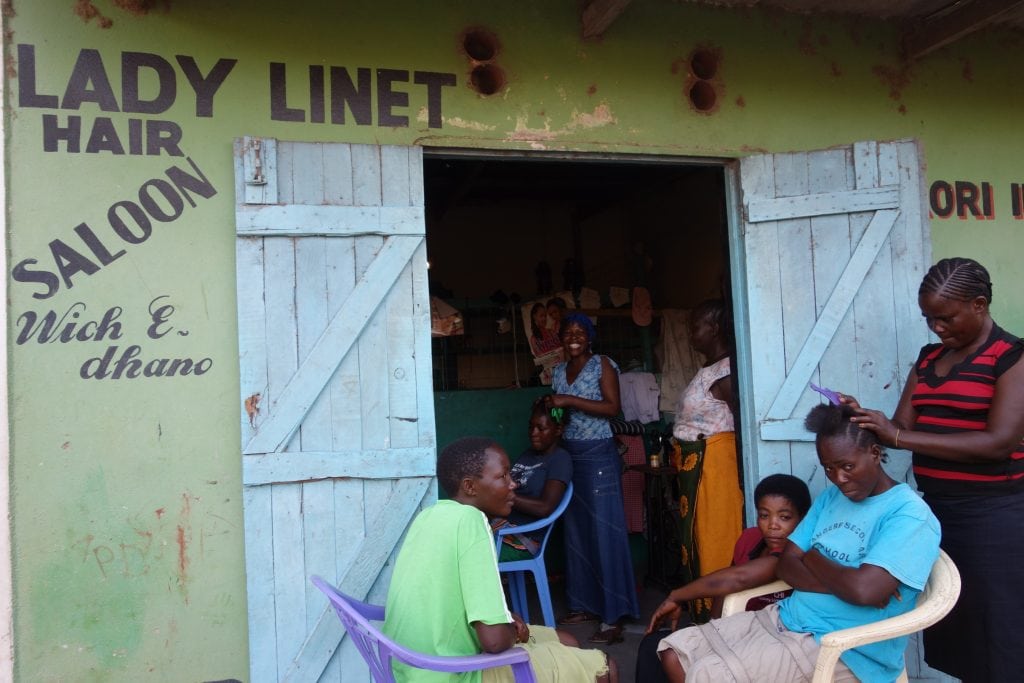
(507, 232)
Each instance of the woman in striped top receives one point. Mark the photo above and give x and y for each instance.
(962, 415)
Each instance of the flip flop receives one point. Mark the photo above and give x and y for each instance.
(608, 636)
(576, 617)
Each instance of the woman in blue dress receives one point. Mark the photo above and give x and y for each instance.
(599, 567)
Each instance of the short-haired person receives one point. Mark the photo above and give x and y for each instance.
(446, 597)
(962, 415)
(782, 500)
(542, 474)
(863, 553)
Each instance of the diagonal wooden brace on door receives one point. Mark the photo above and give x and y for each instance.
(373, 552)
(289, 409)
(778, 424)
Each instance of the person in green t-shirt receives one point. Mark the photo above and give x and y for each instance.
(446, 597)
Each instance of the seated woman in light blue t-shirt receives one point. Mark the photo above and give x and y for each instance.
(863, 553)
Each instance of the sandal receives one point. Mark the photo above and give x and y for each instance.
(576, 617)
(608, 636)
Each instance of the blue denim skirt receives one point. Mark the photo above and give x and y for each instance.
(598, 564)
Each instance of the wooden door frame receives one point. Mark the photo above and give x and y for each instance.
(748, 432)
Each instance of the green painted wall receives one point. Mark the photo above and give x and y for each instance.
(128, 550)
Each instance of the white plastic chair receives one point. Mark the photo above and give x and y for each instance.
(934, 602)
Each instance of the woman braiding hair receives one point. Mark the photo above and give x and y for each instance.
(962, 415)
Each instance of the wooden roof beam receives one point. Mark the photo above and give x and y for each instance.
(598, 15)
(962, 19)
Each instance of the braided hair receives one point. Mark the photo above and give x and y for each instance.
(829, 421)
(958, 278)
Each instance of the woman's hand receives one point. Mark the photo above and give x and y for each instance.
(669, 609)
(556, 401)
(875, 420)
(522, 629)
(847, 400)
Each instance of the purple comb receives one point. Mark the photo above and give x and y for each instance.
(832, 396)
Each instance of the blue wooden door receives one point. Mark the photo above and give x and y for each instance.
(338, 437)
(833, 245)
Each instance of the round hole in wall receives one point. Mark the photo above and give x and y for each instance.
(704, 63)
(480, 44)
(703, 96)
(487, 79)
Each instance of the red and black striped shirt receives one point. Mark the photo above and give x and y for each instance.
(960, 402)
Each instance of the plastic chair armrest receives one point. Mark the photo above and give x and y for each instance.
(737, 602)
(922, 616)
(834, 644)
(479, 662)
(522, 528)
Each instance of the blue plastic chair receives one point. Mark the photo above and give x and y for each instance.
(517, 568)
(378, 650)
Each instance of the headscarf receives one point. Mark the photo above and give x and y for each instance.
(583, 321)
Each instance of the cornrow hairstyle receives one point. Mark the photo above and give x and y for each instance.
(829, 421)
(957, 278)
(787, 486)
(560, 416)
(717, 313)
(461, 458)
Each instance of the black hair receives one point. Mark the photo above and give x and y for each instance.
(560, 416)
(534, 332)
(557, 301)
(829, 421)
(461, 458)
(717, 313)
(793, 489)
(958, 278)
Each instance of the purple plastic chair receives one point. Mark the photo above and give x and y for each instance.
(516, 569)
(378, 650)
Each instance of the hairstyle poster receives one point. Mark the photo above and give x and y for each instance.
(541, 320)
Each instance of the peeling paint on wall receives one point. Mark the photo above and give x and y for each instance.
(601, 116)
